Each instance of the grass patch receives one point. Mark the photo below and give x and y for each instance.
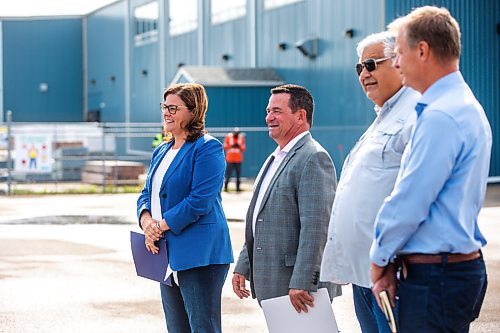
(80, 189)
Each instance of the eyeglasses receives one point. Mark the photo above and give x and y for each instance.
(370, 64)
(172, 109)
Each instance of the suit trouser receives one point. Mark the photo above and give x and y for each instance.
(195, 304)
(444, 297)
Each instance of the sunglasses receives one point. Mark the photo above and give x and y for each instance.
(370, 64)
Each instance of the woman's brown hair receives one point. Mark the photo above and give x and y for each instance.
(196, 100)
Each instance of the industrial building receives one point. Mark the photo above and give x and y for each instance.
(112, 65)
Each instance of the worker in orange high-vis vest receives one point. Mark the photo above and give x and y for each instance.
(234, 146)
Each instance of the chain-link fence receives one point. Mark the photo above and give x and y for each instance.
(92, 156)
(72, 156)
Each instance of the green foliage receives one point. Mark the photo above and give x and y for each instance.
(77, 189)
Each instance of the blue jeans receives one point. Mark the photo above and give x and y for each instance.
(441, 297)
(370, 317)
(195, 305)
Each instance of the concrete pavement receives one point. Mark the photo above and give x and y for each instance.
(65, 266)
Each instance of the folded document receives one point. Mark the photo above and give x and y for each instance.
(282, 317)
(149, 265)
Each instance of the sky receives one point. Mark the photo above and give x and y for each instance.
(30, 8)
(34, 8)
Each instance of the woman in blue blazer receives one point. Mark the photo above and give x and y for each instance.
(181, 200)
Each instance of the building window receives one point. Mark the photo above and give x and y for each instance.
(223, 10)
(146, 23)
(183, 16)
(271, 4)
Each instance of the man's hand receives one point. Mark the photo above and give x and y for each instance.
(376, 272)
(239, 286)
(300, 299)
(384, 278)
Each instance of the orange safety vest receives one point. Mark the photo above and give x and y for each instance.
(234, 154)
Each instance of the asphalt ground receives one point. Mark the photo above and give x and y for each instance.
(65, 266)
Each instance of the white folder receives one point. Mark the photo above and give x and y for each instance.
(281, 315)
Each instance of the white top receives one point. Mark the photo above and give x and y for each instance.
(368, 177)
(155, 194)
(156, 183)
(279, 156)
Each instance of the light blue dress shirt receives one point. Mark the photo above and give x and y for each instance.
(367, 178)
(442, 181)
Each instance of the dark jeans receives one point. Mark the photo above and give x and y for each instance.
(441, 297)
(195, 305)
(229, 171)
(370, 317)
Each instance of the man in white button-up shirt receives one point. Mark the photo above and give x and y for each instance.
(368, 176)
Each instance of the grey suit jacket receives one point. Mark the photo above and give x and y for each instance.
(292, 225)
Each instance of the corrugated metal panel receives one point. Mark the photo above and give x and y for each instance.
(258, 148)
(106, 62)
(242, 107)
(145, 94)
(480, 53)
(229, 38)
(342, 110)
(37, 52)
(222, 39)
(181, 49)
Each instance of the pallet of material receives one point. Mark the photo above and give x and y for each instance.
(113, 172)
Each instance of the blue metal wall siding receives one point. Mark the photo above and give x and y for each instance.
(146, 92)
(286, 24)
(237, 106)
(242, 107)
(43, 51)
(342, 110)
(258, 147)
(181, 49)
(228, 38)
(144, 76)
(106, 59)
(480, 54)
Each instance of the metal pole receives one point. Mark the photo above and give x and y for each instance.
(103, 158)
(56, 173)
(9, 149)
(115, 169)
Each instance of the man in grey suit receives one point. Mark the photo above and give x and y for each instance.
(287, 220)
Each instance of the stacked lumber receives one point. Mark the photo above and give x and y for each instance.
(113, 172)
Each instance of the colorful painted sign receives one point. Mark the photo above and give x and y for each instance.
(33, 153)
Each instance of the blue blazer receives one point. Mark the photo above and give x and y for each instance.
(191, 203)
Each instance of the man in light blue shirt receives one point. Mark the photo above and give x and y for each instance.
(430, 219)
(368, 177)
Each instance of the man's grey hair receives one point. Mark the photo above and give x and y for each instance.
(386, 38)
